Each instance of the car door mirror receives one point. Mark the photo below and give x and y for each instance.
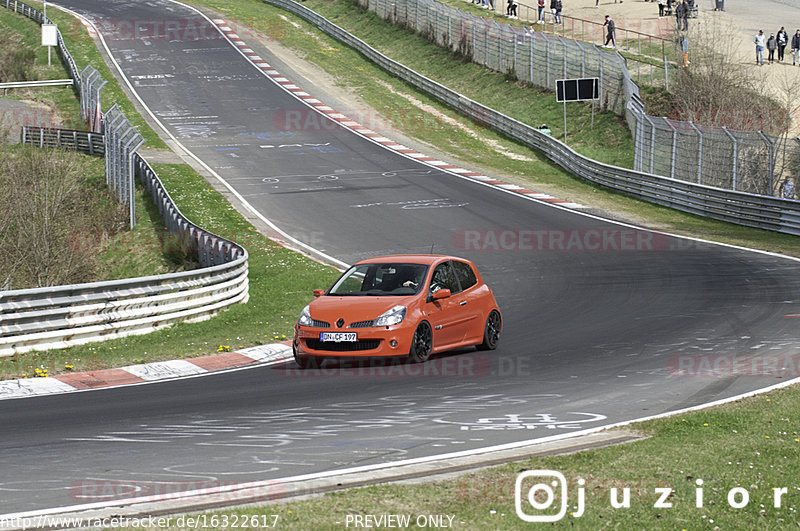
(319, 293)
(441, 294)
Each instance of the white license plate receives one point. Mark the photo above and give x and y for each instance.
(338, 337)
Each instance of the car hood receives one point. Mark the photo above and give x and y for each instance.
(354, 309)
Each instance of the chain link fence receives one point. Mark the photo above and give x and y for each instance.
(746, 161)
(91, 84)
(121, 142)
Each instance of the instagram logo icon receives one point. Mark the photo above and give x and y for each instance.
(537, 493)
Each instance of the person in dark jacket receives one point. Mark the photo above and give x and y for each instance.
(682, 16)
(796, 47)
(610, 32)
(783, 40)
(772, 45)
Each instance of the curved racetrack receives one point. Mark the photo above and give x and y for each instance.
(593, 324)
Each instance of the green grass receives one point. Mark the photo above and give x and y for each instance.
(752, 444)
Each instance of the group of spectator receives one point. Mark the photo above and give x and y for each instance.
(777, 42)
(511, 9)
(682, 9)
(555, 11)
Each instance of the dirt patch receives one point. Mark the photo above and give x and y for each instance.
(15, 113)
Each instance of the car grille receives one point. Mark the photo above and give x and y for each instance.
(345, 346)
(362, 324)
(320, 324)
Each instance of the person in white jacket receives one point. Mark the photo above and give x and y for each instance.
(760, 44)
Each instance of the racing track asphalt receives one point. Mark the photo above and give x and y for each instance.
(590, 334)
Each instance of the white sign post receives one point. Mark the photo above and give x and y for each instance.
(49, 35)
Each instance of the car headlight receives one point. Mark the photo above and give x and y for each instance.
(305, 318)
(392, 316)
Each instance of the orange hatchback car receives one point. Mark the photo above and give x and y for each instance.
(402, 305)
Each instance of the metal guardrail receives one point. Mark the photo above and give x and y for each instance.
(83, 141)
(44, 83)
(62, 316)
(781, 215)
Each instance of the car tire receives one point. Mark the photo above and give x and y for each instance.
(421, 343)
(491, 332)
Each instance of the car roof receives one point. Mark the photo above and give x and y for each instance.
(427, 259)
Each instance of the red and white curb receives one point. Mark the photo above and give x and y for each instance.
(143, 373)
(354, 126)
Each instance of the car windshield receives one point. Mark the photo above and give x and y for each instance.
(389, 279)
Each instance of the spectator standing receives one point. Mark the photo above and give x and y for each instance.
(508, 8)
(786, 191)
(684, 41)
(772, 45)
(682, 13)
(760, 44)
(552, 11)
(783, 40)
(559, 6)
(610, 32)
(796, 47)
(661, 5)
(514, 4)
(541, 12)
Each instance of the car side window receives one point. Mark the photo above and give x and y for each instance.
(444, 278)
(465, 274)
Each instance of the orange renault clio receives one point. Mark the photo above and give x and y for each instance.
(401, 305)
